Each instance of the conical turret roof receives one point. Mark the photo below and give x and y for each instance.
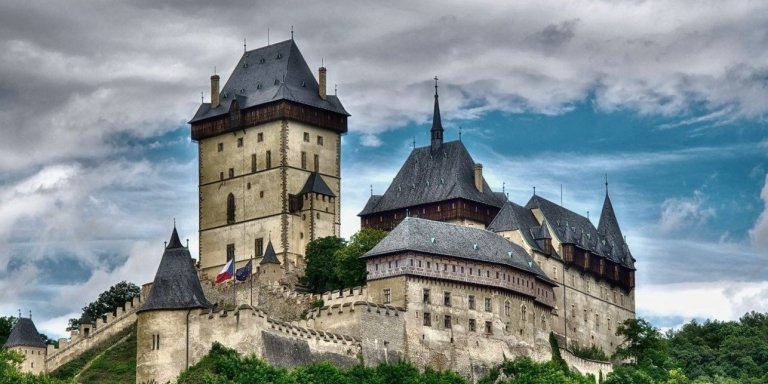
(269, 255)
(609, 227)
(24, 333)
(176, 285)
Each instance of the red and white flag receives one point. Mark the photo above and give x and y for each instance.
(227, 272)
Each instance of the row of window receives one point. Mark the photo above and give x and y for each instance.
(618, 298)
(260, 138)
(258, 249)
(597, 318)
(268, 164)
(155, 342)
(427, 299)
(448, 323)
(503, 276)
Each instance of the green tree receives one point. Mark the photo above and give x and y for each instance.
(6, 324)
(628, 375)
(350, 268)
(108, 301)
(320, 274)
(644, 346)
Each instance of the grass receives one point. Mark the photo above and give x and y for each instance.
(116, 366)
(70, 369)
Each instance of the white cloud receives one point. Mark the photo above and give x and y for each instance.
(684, 214)
(759, 232)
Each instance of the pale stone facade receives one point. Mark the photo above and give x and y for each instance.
(34, 359)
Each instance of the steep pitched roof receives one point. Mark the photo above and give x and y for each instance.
(272, 73)
(85, 319)
(516, 217)
(316, 184)
(176, 285)
(269, 255)
(24, 333)
(609, 227)
(430, 176)
(572, 228)
(414, 234)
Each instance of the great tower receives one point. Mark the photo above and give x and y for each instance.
(269, 147)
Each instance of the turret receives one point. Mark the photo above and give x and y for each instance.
(437, 125)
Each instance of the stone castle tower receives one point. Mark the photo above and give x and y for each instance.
(25, 340)
(269, 146)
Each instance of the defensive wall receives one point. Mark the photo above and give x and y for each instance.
(586, 366)
(104, 329)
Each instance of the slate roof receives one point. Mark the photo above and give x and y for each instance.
(572, 228)
(24, 334)
(516, 217)
(429, 176)
(269, 255)
(176, 285)
(414, 234)
(85, 319)
(316, 184)
(272, 73)
(609, 227)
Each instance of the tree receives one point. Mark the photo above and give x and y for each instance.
(644, 347)
(6, 324)
(350, 268)
(108, 301)
(320, 275)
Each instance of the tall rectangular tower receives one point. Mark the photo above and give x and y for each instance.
(269, 146)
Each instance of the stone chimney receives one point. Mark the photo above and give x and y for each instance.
(479, 176)
(322, 83)
(215, 91)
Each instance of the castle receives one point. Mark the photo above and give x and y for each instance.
(464, 278)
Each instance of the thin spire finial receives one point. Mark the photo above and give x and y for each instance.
(435, 85)
(336, 89)
(19, 313)
(174, 223)
(30, 314)
(606, 183)
(202, 100)
(371, 189)
(413, 143)
(534, 190)
(459, 132)
(245, 46)
(291, 32)
(503, 187)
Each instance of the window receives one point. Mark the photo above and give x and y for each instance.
(507, 307)
(239, 142)
(230, 209)
(303, 160)
(230, 251)
(488, 328)
(472, 326)
(306, 137)
(221, 147)
(573, 310)
(447, 299)
(597, 321)
(261, 194)
(319, 140)
(447, 322)
(221, 175)
(585, 315)
(386, 296)
(317, 163)
(427, 319)
(260, 137)
(487, 304)
(554, 272)
(609, 323)
(471, 302)
(254, 167)
(523, 314)
(269, 160)
(258, 247)
(425, 295)
(231, 173)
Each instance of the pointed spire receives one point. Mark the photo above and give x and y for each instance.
(437, 125)
(174, 242)
(270, 257)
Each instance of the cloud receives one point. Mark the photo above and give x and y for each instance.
(684, 214)
(759, 232)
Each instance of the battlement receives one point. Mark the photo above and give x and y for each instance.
(105, 328)
(586, 366)
(343, 296)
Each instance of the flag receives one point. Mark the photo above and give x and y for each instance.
(244, 272)
(227, 272)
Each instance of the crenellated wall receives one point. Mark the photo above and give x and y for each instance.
(586, 366)
(77, 344)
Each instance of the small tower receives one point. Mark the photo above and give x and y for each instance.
(161, 345)
(270, 269)
(25, 340)
(86, 325)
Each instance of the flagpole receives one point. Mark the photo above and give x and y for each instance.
(234, 279)
(251, 277)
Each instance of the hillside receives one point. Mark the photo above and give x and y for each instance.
(112, 361)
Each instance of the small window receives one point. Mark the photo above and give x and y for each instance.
(427, 319)
(269, 159)
(303, 160)
(261, 194)
(231, 173)
(230, 208)
(488, 307)
(447, 299)
(387, 296)
(506, 308)
(425, 296)
(221, 175)
(239, 142)
(523, 314)
(472, 326)
(258, 247)
(221, 147)
(260, 137)
(471, 302)
(447, 322)
(254, 166)
(488, 328)
(319, 140)
(230, 251)
(317, 163)
(306, 137)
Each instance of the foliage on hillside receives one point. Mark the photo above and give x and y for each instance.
(223, 366)
(116, 366)
(70, 369)
(698, 353)
(108, 301)
(333, 263)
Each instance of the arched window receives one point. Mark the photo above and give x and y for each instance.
(230, 209)
(522, 313)
(506, 308)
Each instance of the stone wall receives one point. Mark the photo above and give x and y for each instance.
(34, 359)
(585, 366)
(71, 348)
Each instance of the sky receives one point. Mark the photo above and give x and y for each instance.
(669, 99)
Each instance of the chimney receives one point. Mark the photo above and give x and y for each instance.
(322, 83)
(215, 91)
(479, 177)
